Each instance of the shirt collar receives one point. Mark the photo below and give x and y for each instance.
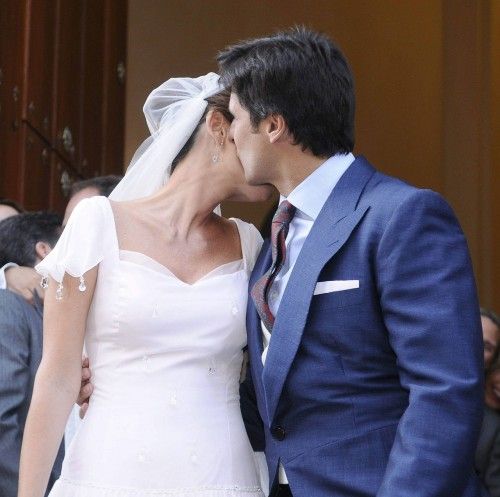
(310, 196)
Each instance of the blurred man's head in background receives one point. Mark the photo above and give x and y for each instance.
(26, 239)
(9, 208)
(102, 185)
(491, 336)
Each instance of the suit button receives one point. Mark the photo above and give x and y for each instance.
(278, 432)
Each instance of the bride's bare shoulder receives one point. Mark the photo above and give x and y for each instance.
(129, 210)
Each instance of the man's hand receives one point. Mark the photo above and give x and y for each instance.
(85, 389)
(24, 281)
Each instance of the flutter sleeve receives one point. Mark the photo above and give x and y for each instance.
(81, 247)
(251, 242)
(253, 245)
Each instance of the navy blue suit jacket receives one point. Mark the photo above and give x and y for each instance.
(376, 390)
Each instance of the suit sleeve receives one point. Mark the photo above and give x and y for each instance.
(14, 387)
(250, 413)
(430, 309)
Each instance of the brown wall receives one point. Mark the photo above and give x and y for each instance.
(425, 77)
(491, 181)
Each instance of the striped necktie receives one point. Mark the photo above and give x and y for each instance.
(260, 291)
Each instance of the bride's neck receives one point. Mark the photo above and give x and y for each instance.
(187, 201)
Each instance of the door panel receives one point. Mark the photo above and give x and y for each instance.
(11, 79)
(68, 81)
(40, 66)
(114, 86)
(36, 182)
(91, 138)
(62, 177)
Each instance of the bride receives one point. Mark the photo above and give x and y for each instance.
(154, 283)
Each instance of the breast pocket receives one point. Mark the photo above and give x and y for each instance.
(335, 294)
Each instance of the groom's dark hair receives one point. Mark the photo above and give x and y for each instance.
(301, 75)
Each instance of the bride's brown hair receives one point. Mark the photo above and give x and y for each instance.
(218, 102)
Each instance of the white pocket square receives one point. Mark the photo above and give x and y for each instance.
(335, 286)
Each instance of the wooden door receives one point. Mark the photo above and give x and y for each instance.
(40, 66)
(68, 85)
(115, 49)
(61, 95)
(36, 156)
(91, 137)
(62, 177)
(12, 17)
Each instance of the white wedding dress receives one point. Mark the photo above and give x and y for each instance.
(164, 418)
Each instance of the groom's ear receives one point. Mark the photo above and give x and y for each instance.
(275, 127)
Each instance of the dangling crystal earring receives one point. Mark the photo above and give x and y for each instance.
(215, 157)
(59, 291)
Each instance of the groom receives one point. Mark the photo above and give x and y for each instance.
(363, 323)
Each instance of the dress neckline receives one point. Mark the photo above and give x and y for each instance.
(162, 269)
(144, 260)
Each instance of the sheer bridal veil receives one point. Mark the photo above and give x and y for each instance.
(173, 110)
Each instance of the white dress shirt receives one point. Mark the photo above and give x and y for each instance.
(3, 280)
(308, 197)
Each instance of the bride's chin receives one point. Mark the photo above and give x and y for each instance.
(264, 193)
(249, 193)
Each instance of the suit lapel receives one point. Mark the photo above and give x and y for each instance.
(331, 230)
(254, 331)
